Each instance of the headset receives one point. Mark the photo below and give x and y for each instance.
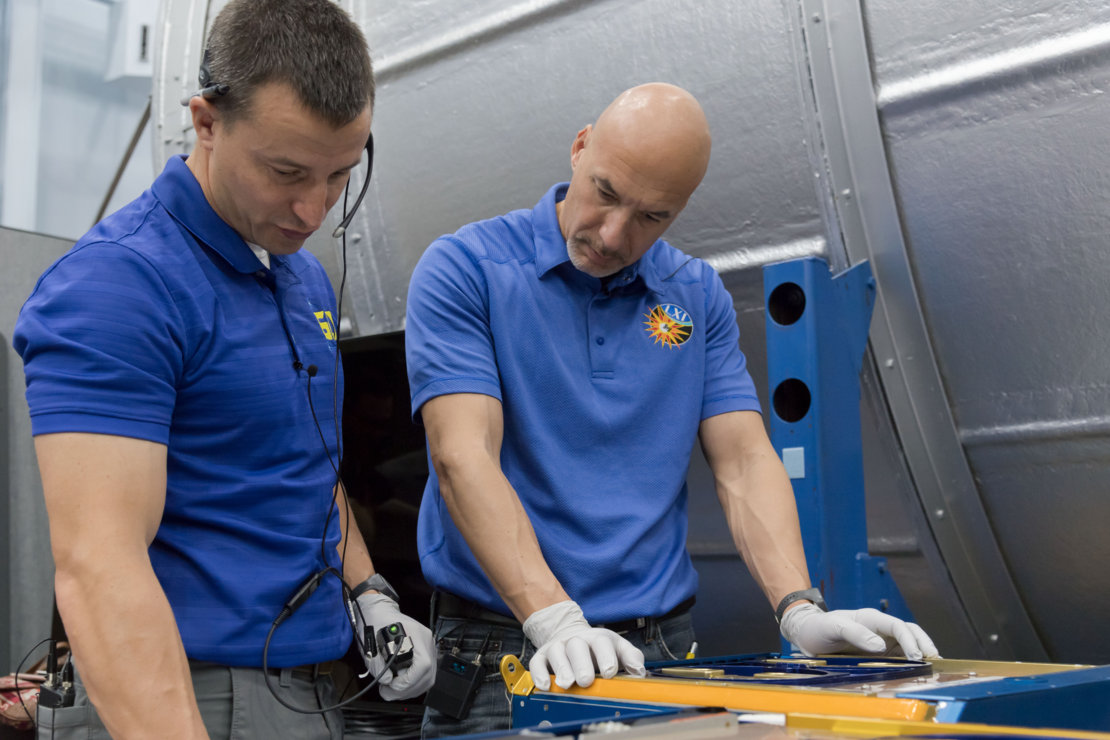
(390, 639)
(341, 230)
(208, 90)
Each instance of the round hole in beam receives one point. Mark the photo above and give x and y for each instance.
(787, 303)
(791, 400)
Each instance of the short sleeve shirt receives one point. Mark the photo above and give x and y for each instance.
(602, 389)
(161, 324)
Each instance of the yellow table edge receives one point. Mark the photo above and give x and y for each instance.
(783, 700)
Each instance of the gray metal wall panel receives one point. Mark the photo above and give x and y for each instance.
(994, 118)
(474, 122)
(29, 598)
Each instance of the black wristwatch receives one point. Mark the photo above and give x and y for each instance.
(809, 594)
(377, 583)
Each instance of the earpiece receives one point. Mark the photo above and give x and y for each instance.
(342, 227)
(208, 90)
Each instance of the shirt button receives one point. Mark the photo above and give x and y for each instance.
(600, 340)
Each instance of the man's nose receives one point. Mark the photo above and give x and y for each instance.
(311, 205)
(614, 230)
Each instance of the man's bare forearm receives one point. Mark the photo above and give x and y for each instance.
(758, 502)
(464, 436)
(128, 651)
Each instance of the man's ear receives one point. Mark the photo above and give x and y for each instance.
(579, 145)
(205, 117)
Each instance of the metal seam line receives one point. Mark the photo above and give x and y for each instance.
(742, 259)
(466, 34)
(1010, 65)
(843, 93)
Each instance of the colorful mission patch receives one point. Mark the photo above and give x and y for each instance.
(669, 325)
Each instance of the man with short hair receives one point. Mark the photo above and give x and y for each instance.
(563, 360)
(181, 362)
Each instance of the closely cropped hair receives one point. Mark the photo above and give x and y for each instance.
(311, 45)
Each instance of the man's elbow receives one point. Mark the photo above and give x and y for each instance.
(82, 568)
(449, 462)
(456, 463)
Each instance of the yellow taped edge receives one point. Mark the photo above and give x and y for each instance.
(861, 727)
(784, 700)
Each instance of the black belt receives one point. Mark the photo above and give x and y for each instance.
(629, 625)
(450, 606)
(456, 607)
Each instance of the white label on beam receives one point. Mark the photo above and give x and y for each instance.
(794, 460)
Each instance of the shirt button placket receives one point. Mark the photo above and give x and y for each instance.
(601, 365)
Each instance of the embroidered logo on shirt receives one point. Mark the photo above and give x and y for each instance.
(327, 325)
(669, 325)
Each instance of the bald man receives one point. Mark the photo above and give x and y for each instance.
(563, 360)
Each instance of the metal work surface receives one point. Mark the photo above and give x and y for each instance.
(1006, 695)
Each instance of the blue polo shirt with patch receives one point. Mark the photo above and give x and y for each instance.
(161, 324)
(602, 390)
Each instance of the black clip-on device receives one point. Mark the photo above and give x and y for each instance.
(394, 645)
(457, 682)
(57, 692)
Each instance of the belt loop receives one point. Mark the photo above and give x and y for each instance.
(285, 677)
(641, 622)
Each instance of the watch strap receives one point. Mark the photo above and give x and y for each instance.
(377, 583)
(809, 594)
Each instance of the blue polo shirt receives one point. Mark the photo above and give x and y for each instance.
(602, 390)
(161, 324)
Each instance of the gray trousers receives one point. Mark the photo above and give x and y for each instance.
(234, 703)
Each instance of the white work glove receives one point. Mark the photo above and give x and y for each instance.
(816, 632)
(376, 610)
(575, 651)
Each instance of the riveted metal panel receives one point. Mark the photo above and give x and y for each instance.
(994, 119)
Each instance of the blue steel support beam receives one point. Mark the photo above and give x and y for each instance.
(817, 327)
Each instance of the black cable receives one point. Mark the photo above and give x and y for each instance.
(285, 613)
(337, 488)
(19, 669)
(335, 375)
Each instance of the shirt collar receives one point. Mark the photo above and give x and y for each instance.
(179, 192)
(551, 247)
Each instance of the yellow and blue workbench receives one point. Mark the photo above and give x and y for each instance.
(826, 697)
